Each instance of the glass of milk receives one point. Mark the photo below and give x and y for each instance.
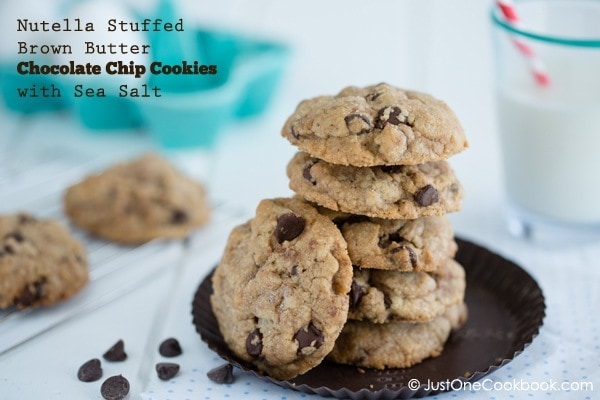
(550, 134)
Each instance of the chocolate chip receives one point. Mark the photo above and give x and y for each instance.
(294, 270)
(289, 226)
(339, 222)
(179, 217)
(395, 237)
(170, 348)
(25, 218)
(17, 236)
(221, 374)
(115, 388)
(387, 240)
(372, 96)
(387, 300)
(311, 337)
(306, 172)
(391, 169)
(412, 256)
(350, 219)
(358, 123)
(427, 195)
(294, 133)
(356, 293)
(8, 249)
(166, 371)
(90, 371)
(116, 352)
(390, 115)
(254, 343)
(31, 293)
(26, 298)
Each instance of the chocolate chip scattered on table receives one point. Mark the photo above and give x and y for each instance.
(116, 352)
(166, 371)
(221, 374)
(115, 388)
(90, 371)
(170, 348)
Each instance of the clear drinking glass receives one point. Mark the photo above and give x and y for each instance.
(550, 134)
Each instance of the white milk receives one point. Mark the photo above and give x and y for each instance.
(551, 140)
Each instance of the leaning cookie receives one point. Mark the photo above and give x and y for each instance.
(138, 201)
(395, 344)
(383, 296)
(376, 125)
(40, 262)
(281, 288)
(393, 192)
(396, 244)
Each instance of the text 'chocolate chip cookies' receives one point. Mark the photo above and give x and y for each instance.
(359, 267)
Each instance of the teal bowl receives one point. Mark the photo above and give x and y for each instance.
(193, 114)
(262, 70)
(193, 119)
(192, 109)
(23, 93)
(102, 114)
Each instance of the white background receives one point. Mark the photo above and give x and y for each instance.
(439, 46)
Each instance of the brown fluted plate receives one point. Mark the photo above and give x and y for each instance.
(506, 311)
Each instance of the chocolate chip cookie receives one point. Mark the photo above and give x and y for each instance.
(383, 296)
(376, 125)
(395, 344)
(281, 288)
(396, 244)
(40, 262)
(138, 201)
(394, 192)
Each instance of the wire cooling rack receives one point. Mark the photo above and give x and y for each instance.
(115, 270)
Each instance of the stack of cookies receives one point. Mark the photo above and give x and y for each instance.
(374, 161)
(358, 268)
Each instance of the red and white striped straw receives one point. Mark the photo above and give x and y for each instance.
(538, 68)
